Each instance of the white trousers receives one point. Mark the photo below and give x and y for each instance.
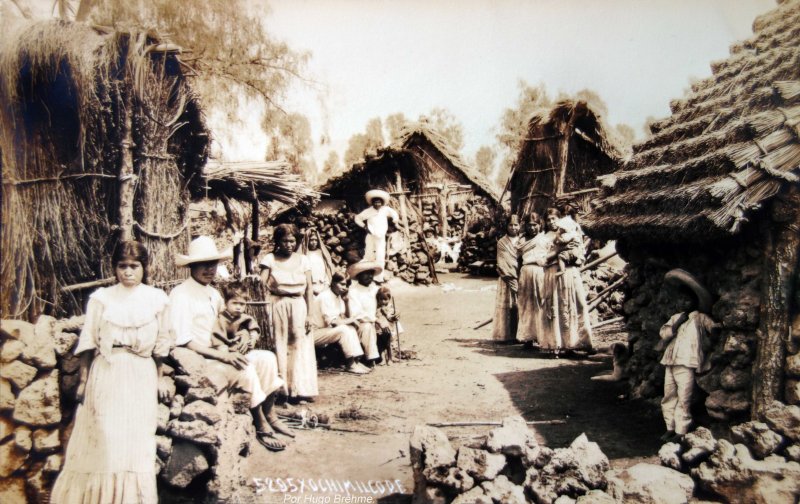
(260, 377)
(344, 335)
(369, 339)
(678, 385)
(375, 250)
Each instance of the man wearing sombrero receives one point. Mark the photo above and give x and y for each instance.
(375, 220)
(194, 306)
(686, 338)
(362, 305)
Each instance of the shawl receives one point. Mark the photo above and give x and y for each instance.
(507, 257)
(326, 255)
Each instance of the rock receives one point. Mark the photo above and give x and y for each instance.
(480, 464)
(23, 439)
(538, 457)
(596, 497)
(729, 402)
(735, 344)
(185, 382)
(163, 418)
(230, 456)
(176, 407)
(6, 429)
(39, 349)
(502, 490)
(792, 365)
(11, 459)
(430, 495)
(196, 431)
(792, 453)
(732, 474)
(167, 370)
(201, 410)
(474, 496)
(734, 379)
(64, 342)
(12, 490)
(592, 462)
(650, 484)
(45, 441)
(168, 384)
(163, 446)
(17, 329)
(784, 419)
(12, 349)
(39, 403)
(185, 463)
(7, 398)
(699, 445)
(216, 378)
(53, 463)
(710, 381)
(18, 373)
(758, 437)
(452, 478)
(512, 438)
(430, 449)
(792, 391)
(564, 500)
(189, 362)
(207, 394)
(670, 456)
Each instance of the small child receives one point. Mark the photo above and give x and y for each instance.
(234, 330)
(569, 238)
(386, 317)
(686, 338)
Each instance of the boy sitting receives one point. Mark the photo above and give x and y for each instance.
(234, 330)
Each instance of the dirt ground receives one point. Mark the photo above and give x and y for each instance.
(460, 375)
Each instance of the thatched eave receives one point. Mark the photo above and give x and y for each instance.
(256, 181)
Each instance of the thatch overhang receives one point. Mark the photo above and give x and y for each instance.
(79, 102)
(407, 156)
(254, 181)
(566, 149)
(728, 147)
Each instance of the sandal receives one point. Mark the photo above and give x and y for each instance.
(268, 441)
(280, 427)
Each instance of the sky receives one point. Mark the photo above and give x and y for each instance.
(377, 57)
(373, 58)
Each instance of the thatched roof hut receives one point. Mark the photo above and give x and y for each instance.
(566, 148)
(715, 191)
(101, 137)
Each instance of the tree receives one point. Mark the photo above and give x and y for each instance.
(374, 134)
(332, 165)
(356, 148)
(627, 135)
(484, 160)
(394, 125)
(446, 124)
(293, 143)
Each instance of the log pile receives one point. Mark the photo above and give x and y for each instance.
(480, 232)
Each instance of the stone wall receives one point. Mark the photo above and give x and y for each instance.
(731, 271)
(204, 433)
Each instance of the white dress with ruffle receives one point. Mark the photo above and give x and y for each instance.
(111, 456)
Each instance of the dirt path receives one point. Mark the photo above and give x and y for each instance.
(460, 376)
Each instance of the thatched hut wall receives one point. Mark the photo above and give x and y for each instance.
(565, 150)
(71, 91)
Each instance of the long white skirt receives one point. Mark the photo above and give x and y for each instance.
(505, 323)
(294, 347)
(111, 456)
(573, 312)
(531, 300)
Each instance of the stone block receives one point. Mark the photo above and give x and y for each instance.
(731, 403)
(503, 490)
(699, 444)
(430, 448)
(7, 398)
(480, 464)
(592, 462)
(734, 379)
(757, 436)
(784, 420)
(176, 407)
(18, 373)
(39, 403)
(792, 391)
(650, 484)
(207, 394)
(793, 365)
(670, 456)
(196, 431)
(168, 384)
(11, 458)
(453, 479)
(23, 439)
(16, 329)
(188, 362)
(12, 490)
(185, 463)
(474, 496)
(53, 463)
(430, 495)
(46, 441)
(6, 429)
(201, 410)
(163, 418)
(163, 446)
(39, 349)
(512, 438)
(792, 453)
(11, 351)
(595, 497)
(64, 342)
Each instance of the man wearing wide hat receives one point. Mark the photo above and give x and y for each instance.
(375, 219)
(362, 305)
(194, 307)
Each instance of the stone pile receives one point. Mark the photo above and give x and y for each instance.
(512, 467)
(204, 434)
(734, 277)
(761, 467)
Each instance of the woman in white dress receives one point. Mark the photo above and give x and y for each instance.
(287, 276)
(319, 259)
(535, 326)
(111, 454)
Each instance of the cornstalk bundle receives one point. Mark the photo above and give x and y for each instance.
(264, 180)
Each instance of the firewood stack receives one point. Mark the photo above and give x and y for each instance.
(479, 242)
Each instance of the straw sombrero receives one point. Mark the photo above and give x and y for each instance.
(202, 249)
(678, 276)
(361, 266)
(377, 193)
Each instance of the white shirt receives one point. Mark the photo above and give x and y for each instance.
(326, 308)
(377, 220)
(194, 309)
(363, 302)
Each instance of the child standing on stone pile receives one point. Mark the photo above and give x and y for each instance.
(234, 330)
(385, 320)
(686, 337)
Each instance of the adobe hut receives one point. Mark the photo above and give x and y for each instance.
(566, 149)
(715, 191)
(101, 139)
(431, 186)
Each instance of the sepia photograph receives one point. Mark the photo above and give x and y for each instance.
(399, 251)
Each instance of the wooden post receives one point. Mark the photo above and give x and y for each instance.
(127, 179)
(401, 198)
(443, 210)
(563, 154)
(780, 265)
